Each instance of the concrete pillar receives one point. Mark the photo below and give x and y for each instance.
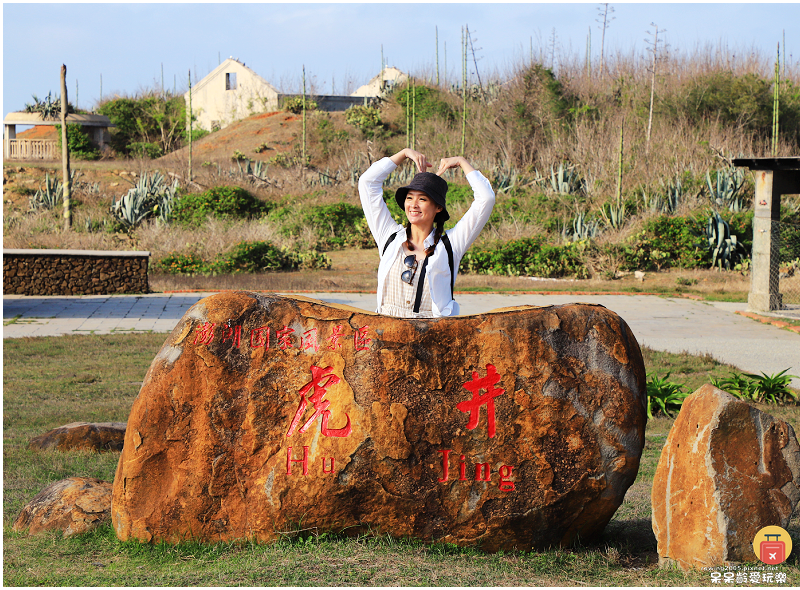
(764, 294)
(10, 133)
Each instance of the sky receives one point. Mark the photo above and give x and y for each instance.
(122, 48)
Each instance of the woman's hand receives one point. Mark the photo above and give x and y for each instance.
(454, 162)
(417, 157)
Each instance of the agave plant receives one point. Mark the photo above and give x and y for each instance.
(583, 228)
(48, 197)
(724, 247)
(565, 181)
(151, 196)
(614, 214)
(726, 191)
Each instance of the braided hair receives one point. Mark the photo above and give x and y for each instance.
(437, 235)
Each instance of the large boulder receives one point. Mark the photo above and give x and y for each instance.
(504, 430)
(73, 505)
(726, 471)
(98, 436)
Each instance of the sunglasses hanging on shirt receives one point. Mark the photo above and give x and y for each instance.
(407, 276)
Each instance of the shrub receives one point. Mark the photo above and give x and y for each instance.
(335, 226)
(427, 103)
(251, 257)
(528, 256)
(144, 149)
(226, 202)
(79, 143)
(770, 389)
(665, 242)
(295, 105)
(244, 257)
(365, 119)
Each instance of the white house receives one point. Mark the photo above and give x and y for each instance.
(379, 84)
(232, 91)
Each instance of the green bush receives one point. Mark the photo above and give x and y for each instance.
(427, 103)
(244, 257)
(152, 118)
(664, 397)
(251, 257)
(335, 226)
(79, 143)
(365, 119)
(225, 202)
(530, 257)
(144, 149)
(295, 105)
(666, 242)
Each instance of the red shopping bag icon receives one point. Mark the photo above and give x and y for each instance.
(773, 552)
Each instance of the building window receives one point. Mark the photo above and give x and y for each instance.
(230, 81)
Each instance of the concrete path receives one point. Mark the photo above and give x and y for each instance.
(662, 323)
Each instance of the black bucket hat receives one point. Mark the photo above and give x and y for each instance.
(432, 185)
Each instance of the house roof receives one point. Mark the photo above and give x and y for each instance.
(373, 87)
(224, 65)
(20, 118)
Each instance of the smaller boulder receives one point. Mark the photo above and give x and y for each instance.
(100, 437)
(726, 471)
(74, 505)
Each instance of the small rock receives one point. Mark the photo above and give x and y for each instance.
(638, 274)
(101, 436)
(74, 505)
(726, 471)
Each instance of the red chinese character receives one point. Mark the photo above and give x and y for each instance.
(205, 334)
(321, 379)
(333, 339)
(360, 340)
(473, 406)
(233, 334)
(258, 338)
(309, 341)
(284, 337)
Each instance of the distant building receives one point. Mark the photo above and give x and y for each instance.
(378, 86)
(37, 148)
(232, 91)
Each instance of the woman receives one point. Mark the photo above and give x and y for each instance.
(419, 263)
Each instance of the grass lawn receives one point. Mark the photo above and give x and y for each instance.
(48, 382)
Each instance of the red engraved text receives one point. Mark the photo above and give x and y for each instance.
(259, 337)
(309, 341)
(284, 337)
(360, 340)
(204, 334)
(473, 406)
(333, 339)
(321, 379)
(234, 334)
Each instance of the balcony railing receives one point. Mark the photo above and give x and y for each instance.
(32, 149)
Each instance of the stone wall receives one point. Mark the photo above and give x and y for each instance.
(74, 272)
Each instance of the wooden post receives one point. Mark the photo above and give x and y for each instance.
(65, 150)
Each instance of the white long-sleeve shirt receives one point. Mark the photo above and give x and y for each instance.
(382, 225)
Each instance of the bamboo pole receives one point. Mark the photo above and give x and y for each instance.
(775, 104)
(65, 151)
(437, 57)
(619, 169)
(414, 117)
(304, 119)
(464, 90)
